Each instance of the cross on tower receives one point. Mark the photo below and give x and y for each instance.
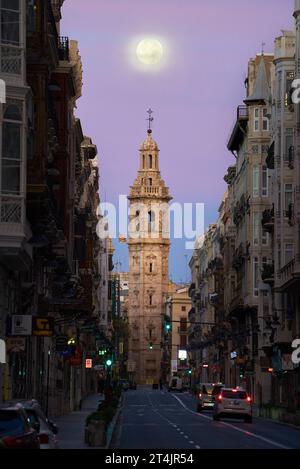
(263, 48)
(150, 119)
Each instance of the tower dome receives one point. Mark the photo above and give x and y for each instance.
(149, 144)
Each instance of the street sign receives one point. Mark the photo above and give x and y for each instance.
(89, 363)
(42, 326)
(15, 344)
(21, 325)
(174, 366)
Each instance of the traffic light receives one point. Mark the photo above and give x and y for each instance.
(108, 362)
(102, 352)
(167, 323)
(150, 346)
(189, 372)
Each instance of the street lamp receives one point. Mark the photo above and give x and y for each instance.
(48, 382)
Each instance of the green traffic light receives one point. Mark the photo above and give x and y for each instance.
(190, 372)
(168, 327)
(108, 362)
(151, 346)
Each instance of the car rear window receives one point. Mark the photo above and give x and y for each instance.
(234, 395)
(11, 423)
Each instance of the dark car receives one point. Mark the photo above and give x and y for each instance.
(46, 429)
(15, 429)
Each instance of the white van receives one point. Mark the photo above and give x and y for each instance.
(175, 384)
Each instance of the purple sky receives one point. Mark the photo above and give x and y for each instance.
(194, 95)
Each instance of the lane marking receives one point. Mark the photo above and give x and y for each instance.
(197, 447)
(191, 442)
(245, 432)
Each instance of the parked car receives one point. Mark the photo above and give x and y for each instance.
(46, 429)
(233, 402)
(206, 395)
(125, 384)
(16, 431)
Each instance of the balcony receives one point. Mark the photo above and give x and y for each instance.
(268, 274)
(268, 220)
(237, 134)
(289, 274)
(13, 253)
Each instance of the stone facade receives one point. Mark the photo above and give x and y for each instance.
(148, 245)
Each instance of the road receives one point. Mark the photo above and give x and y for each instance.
(154, 419)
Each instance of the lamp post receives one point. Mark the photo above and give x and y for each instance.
(48, 382)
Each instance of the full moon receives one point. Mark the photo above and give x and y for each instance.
(149, 51)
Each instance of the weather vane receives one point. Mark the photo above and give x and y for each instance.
(150, 119)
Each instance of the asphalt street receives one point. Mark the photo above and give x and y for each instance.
(154, 419)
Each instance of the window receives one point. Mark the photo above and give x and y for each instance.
(10, 22)
(183, 324)
(288, 197)
(288, 252)
(150, 300)
(150, 161)
(10, 37)
(279, 255)
(150, 181)
(137, 216)
(256, 181)
(256, 228)
(255, 276)
(31, 15)
(183, 308)
(11, 149)
(183, 342)
(289, 142)
(256, 120)
(151, 267)
(264, 181)
(144, 161)
(265, 121)
(289, 78)
(265, 238)
(279, 85)
(255, 149)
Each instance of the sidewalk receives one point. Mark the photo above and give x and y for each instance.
(71, 426)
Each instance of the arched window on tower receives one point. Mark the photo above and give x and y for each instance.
(150, 300)
(150, 161)
(144, 161)
(150, 181)
(137, 216)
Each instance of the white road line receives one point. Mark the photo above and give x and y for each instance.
(197, 447)
(245, 432)
(191, 442)
(185, 436)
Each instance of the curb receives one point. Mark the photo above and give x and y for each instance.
(112, 426)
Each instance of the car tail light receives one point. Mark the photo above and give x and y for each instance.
(220, 397)
(44, 438)
(234, 390)
(200, 395)
(249, 399)
(11, 441)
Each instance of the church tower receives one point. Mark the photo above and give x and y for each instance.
(149, 245)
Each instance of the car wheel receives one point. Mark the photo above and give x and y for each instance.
(216, 418)
(248, 419)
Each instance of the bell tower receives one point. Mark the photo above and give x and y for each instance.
(149, 245)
